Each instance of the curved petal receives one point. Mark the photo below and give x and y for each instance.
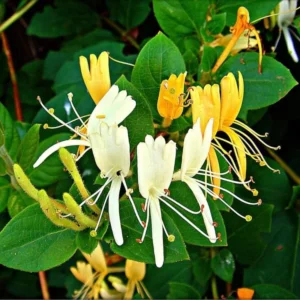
(215, 167)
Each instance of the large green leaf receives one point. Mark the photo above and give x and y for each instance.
(17, 202)
(5, 190)
(158, 59)
(132, 230)
(179, 17)
(68, 18)
(30, 242)
(244, 238)
(129, 13)
(180, 290)
(281, 255)
(272, 291)
(139, 122)
(257, 8)
(223, 265)
(273, 83)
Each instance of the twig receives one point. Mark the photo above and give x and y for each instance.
(17, 15)
(214, 287)
(122, 32)
(13, 78)
(44, 285)
(284, 166)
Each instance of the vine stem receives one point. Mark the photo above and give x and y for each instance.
(44, 285)
(13, 77)
(214, 287)
(17, 15)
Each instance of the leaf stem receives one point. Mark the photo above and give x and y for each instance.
(44, 285)
(122, 32)
(17, 15)
(285, 166)
(13, 77)
(214, 287)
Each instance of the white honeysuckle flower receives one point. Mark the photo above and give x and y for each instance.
(113, 108)
(156, 161)
(286, 15)
(110, 146)
(195, 153)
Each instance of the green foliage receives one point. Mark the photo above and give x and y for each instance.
(182, 291)
(223, 265)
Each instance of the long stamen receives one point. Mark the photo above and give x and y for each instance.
(230, 193)
(186, 219)
(70, 97)
(246, 151)
(131, 200)
(101, 214)
(46, 126)
(241, 124)
(146, 225)
(51, 113)
(248, 218)
(82, 154)
(228, 180)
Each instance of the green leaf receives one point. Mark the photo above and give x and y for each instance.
(2, 136)
(2, 167)
(274, 83)
(257, 8)
(35, 250)
(182, 291)
(5, 190)
(139, 123)
(223, 265)
(158, 59)
(11, 135)
(183, 18)
(85, 242)
(29, 147)
(282, 247)
(143, 252)
(17, 202)
(216, 24)
(208, 59)
(129, 13)
(243, 235)
(272, 291)
(68, 18)
(180, 124)
(295, 196)
(191, 62)
(52, 169)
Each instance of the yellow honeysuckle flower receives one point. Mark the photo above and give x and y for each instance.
(223, 103)
(245, 294)
(92, 274)
(242, 24)
(171, 98)
(96, 76)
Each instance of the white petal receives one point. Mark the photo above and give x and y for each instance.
(114, 211)
(208, 221)
(57, 146)
(285, 17)
(290, 44)
(157, 232)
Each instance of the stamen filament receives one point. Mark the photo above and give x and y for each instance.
(60, 126)
(147, 222)
(102, 211)
(228, 180)
(70, 98)
(83, 153)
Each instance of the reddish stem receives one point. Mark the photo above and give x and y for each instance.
(44, 285)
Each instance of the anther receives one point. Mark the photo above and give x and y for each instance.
(252, 180)
(101, 117)
(262, 163)
(221, 196)
(89, 202)
(259, 202)
(171, 238)
(129, 191)
(38, 98)
(70, 96)
(166, 85)
(144, 224)
(278, 147)
(202, 208)
(45, 126)
(255, 192)
(139, 241)
(93, 233)
(230, 169)
(266, 134)
(276, 171)
(143, 207)
(102, 175)
(248, 218)
(167, 192)
(51, 111)
(215, 224)
(219, 236)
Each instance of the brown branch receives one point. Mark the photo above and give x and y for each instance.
(44, 285)
(13, 77)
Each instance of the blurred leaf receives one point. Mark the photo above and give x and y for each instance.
(282, 247)
(4, 72)
(139, 123)
(2, 135)
(129, 13)
(67, 18)
(35, 250)
(257, 8)
(183, 18)
(52, 169)
(216, 24)
(223, 265)
(295, 196)
(274, 82)
(180, 124)
(5, 190)
(208, 59)
(29, 147)
(85, 242)
(144, 252)
(191, 62)
(17, 202)
(182, 291)
(12, 139)
(243, 235)
(2, 167)
(271, 291)
(155, 63)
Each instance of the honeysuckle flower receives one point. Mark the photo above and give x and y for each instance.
(156, 161)
(135, 272)
(245, 293)
(110, 146)
(118, 290)
(242, 24)
(245, 41)
(171, 99)
(96, 76)
(92, 274)
(210, 102)
(195, 152)
(286, 15)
